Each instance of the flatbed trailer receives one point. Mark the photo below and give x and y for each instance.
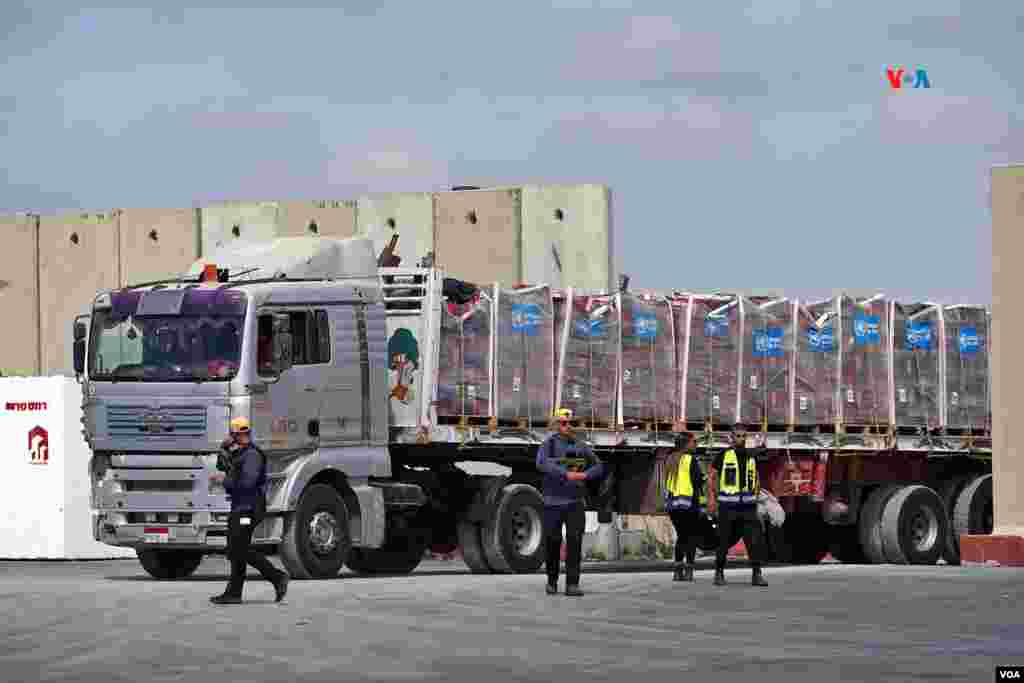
(370, 387)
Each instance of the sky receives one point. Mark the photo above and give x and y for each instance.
(747, 145)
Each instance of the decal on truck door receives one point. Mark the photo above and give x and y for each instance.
(404, 352)
(38, 446)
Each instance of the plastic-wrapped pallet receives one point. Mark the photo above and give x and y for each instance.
(816, 366)
(864, 375)
(524, 357)
(713, 359)
(464, 363)
(767, 352)
(967, 351)
(648, 359)
(588, 380)
(916, 364)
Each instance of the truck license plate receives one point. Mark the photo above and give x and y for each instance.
(155, 536)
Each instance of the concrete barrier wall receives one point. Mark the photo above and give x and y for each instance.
(156, 243)
(237, 222)
(477, 235)
(19, 295)
(77, 258)
(45, 505)
(410, 215)
(328, 218)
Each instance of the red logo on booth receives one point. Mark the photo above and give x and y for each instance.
(38, 446)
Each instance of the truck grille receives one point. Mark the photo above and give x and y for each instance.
(169, 421)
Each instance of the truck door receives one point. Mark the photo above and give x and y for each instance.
(295, 397)
(342, 401)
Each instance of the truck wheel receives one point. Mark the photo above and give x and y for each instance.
(400, 555)
(317, 539)
(513, 536)
(169, 564)
(973, 512)
(469, 532)
(914, 526)
(870, 526)
(948, 492)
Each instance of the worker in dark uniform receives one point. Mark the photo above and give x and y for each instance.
(566, 465)
(734, 486)
(245, 468)
(685, 503)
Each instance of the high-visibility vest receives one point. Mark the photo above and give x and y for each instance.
(679, 493)
(733, 487)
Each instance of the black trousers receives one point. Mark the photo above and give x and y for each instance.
(241, 553)
(575, 520)
(687, 525)
(745, 521)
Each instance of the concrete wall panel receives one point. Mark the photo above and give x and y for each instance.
(567, 226)
(19, 295)
(477, 235)
(326, 218)
(156, 243)
(410, 214)
(1006, 362)
(229, 222)
(77, 259)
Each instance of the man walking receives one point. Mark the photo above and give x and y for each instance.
(245, 481)
(734, 487)
(566, 465)
(685, 503)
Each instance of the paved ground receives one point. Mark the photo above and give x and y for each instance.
(108, 621)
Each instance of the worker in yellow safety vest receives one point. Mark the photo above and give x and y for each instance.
(685, 502)
(733, 495)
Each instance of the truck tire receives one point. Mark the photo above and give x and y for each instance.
(914, 526)
(400, 555)
(948, 492)
(469, 532)
(973, 512)
(870, 525)
(317, 539)
(169, 564)
(513, 535)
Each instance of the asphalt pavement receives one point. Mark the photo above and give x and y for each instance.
(109, 621)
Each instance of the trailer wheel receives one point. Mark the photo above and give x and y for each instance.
(513, 536)
(949, 492)
(914, 526)
(169, 564)
(400, 555)
(469, 532)
(870, 526)
(317, 539)
(973, 512)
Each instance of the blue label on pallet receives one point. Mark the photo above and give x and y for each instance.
(645, 324)
(589, 329)
(865, 330)
(526, 319)
(716, 327)
(821, 340)
(969, 342)
(768, 343)
(919, 336)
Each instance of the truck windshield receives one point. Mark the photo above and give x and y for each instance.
(201, 341)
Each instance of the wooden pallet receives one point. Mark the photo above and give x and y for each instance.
(464, 420)
(649, 425)
(965, 431)
(867, 430)
(594, 425)
(813, 429)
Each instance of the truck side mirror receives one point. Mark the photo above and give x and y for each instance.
(79, 354)
(80, 331)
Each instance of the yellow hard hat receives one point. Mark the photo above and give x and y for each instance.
(563, 414)
(239, 424)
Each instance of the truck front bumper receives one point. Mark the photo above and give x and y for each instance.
(207, 532)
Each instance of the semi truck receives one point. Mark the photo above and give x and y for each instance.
(373, 389)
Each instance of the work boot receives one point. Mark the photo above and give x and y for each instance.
(552, 589)
(225, 599)
(281, 586)
(719, 577)
(688, 575)
(678, 575)
(757, 579)
(573, 591)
